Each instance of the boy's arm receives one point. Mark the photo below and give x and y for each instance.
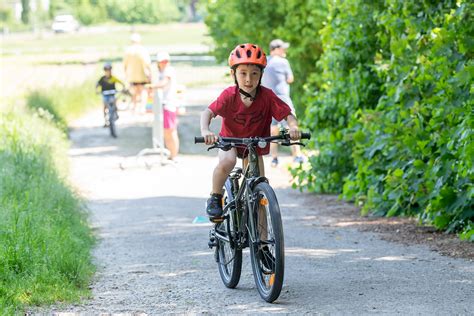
(295, 133)
(120, 82)
(206, 117)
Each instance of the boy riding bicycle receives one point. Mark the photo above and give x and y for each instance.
(107, 87)
(246, 110)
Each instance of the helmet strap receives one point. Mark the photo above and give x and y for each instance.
(248, 95)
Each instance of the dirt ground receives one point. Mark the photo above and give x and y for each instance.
(406, 231)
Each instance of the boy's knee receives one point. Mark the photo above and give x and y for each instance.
(227, 163)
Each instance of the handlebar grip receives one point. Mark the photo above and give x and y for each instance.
(305, 135)
(198, 139)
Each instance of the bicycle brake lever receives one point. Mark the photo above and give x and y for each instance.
(291, 144)
(226, 147)
(298, 143)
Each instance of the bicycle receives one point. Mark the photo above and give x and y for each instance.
(252, 219)
(123, 100)
(110, 107)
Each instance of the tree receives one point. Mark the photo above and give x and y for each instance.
(25, 11)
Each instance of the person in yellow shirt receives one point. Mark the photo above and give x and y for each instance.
(107, 85)
(137, 66)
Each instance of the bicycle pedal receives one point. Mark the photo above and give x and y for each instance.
(216, 220)
(212, 244)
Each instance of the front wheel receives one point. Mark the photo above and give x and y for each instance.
(112, 118)
(229, 255)
(267, 251)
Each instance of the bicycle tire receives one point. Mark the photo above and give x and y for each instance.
(268, 272)
(124, 101)
(112, 119)
(229, 259)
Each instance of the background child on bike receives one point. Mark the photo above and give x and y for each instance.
(246, 110)
(107, 83)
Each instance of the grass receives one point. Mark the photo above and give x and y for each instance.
(63, 103)
(110, 38)
(45, 241)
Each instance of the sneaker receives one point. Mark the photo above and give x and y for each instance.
(298, 159)
(214, 206)
(274, 162)
(267, 259)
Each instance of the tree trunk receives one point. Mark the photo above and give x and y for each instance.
(25, 11)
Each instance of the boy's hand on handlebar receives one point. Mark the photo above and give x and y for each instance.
(209, 137)
(295, 133)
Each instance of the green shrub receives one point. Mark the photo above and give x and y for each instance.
(63, 103)
(413, 152)
(144, 11)
(45, 241)
(348, 84)
(393, 115)
(89, 14)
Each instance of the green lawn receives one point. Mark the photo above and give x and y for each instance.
(106, 38)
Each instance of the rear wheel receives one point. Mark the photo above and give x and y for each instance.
(229, 256)
(124, 100)
(267, 251)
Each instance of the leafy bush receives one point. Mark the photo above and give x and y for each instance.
(63, 103)
(413, 152)
(347, 84)
(390, 117)
(90, 13)
(45, 241)
(144, 11)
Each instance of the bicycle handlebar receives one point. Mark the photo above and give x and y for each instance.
(200, 139)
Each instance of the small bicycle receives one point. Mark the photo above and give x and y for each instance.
(110, 110)
(251, 219)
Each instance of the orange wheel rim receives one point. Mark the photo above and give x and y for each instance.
(263, 201)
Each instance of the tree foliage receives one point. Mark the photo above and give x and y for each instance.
(232, 22)
(143, 11)
(388, 100)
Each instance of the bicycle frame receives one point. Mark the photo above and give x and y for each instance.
(243, 200)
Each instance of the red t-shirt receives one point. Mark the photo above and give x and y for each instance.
(255, 120)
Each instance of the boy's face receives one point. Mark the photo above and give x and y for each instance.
(248, 77)
(108, 72)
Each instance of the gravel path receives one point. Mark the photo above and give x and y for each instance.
(152, 259)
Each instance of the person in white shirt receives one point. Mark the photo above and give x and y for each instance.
(167, 82)
(278, 76)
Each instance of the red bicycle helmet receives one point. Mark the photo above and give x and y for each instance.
(247, 54)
